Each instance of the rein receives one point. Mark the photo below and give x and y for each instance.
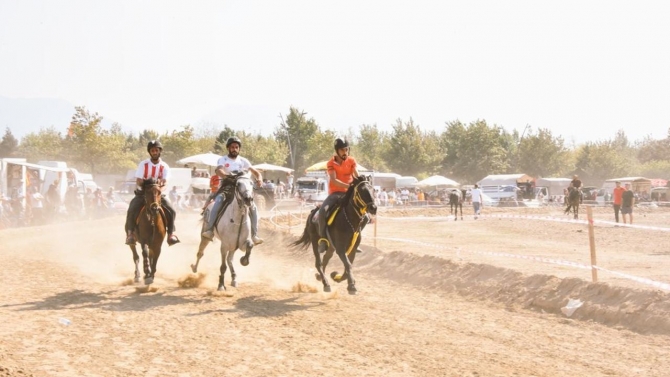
(360, 206)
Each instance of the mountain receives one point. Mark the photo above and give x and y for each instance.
(27, 115)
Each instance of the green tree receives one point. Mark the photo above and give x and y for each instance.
(371, 147)
(303, 138)
(219, 146)
(85, 142)
(259, 149)
(46, 145)
(476, 150)
(541, 154)
(179, 144)
(8, 145)
(411, 151)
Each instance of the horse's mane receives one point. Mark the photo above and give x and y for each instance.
(350, 191)
(149, 182)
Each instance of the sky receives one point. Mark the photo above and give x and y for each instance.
(582, 69)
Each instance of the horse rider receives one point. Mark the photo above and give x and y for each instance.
(342, 170)
(225, 167)
(152, 167)
(577, 185)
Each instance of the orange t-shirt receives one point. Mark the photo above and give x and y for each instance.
(214, 181)
(616, 195)
(344, 172)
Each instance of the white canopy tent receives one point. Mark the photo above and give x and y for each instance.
(269, 167)
(437, 181)
(209, 159)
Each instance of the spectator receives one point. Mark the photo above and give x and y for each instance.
(616, 199)
(384, 198)
(194, 173)
(36, 202)
(391, 196)
(627, 202)
(404, 195)
(477, 202)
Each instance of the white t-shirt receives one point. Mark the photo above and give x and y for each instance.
(147, 169)
(230, 165)
(476, 195)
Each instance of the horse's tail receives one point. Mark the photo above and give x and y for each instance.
(305, 239)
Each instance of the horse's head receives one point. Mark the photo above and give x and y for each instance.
(152, 193)
(360, 192)
(244, 187)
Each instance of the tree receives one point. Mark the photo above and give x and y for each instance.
(179, 144)
(219, 146)
(85, 143)
(541, 154)
(476, 151)
(371, 147)
(8, 145)
(411, 151)
(303, 138)
(46, 145)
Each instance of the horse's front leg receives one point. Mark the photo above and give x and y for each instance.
(136, 260)
(222, 269)
(233, 275)
(146, 264)
(461, 207)
(244, 260)
(351, 282)
(154, 254)
(320, 264)
(201, 251)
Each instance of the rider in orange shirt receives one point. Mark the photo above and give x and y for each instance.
(341, 172)
(617, 195)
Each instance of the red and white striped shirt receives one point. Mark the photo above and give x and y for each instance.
(147, 169)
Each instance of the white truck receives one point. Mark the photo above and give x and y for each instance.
(312, 189)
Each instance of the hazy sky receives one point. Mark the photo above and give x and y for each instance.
(582, 69)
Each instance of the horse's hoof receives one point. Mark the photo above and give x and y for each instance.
(148, 281)
(221, 288)
(326, 288)
(194, 269)
(137, 279)
(318, 276)
(233, 284)
(244, 261)
(352, 291)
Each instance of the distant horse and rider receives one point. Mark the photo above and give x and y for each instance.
(456, 198)
(345, 223)
(573, 200)
(232, 226)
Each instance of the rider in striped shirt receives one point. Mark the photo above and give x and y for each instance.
(152, 167)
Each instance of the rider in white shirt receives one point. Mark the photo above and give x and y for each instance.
(225, 167)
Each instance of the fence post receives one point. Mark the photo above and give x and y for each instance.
(375, 240)
(592, 244)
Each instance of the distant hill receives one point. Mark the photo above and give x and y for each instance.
(26, 115)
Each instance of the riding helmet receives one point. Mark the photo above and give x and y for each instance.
(234, 139)
(339, 144)
(154, 144)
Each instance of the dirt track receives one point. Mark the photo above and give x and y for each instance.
(420, 311)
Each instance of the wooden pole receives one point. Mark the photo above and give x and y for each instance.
(375, 241)
(592, 244)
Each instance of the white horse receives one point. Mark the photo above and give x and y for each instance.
(233, 229)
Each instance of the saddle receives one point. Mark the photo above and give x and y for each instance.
(228, 195)
(330, 214)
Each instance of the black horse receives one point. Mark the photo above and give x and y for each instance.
(573, 198)
(455, 202)
(345, 223)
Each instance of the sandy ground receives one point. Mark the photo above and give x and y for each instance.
(463, 302)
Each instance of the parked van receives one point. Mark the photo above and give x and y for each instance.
(312, 189)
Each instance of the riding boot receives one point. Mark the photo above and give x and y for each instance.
(253, 216)
(323, 240)
(209, 230)
(171, 216)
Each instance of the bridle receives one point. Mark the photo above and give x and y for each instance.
(360, 206)
(154, 205)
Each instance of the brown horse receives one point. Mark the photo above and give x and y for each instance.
(149, 231)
